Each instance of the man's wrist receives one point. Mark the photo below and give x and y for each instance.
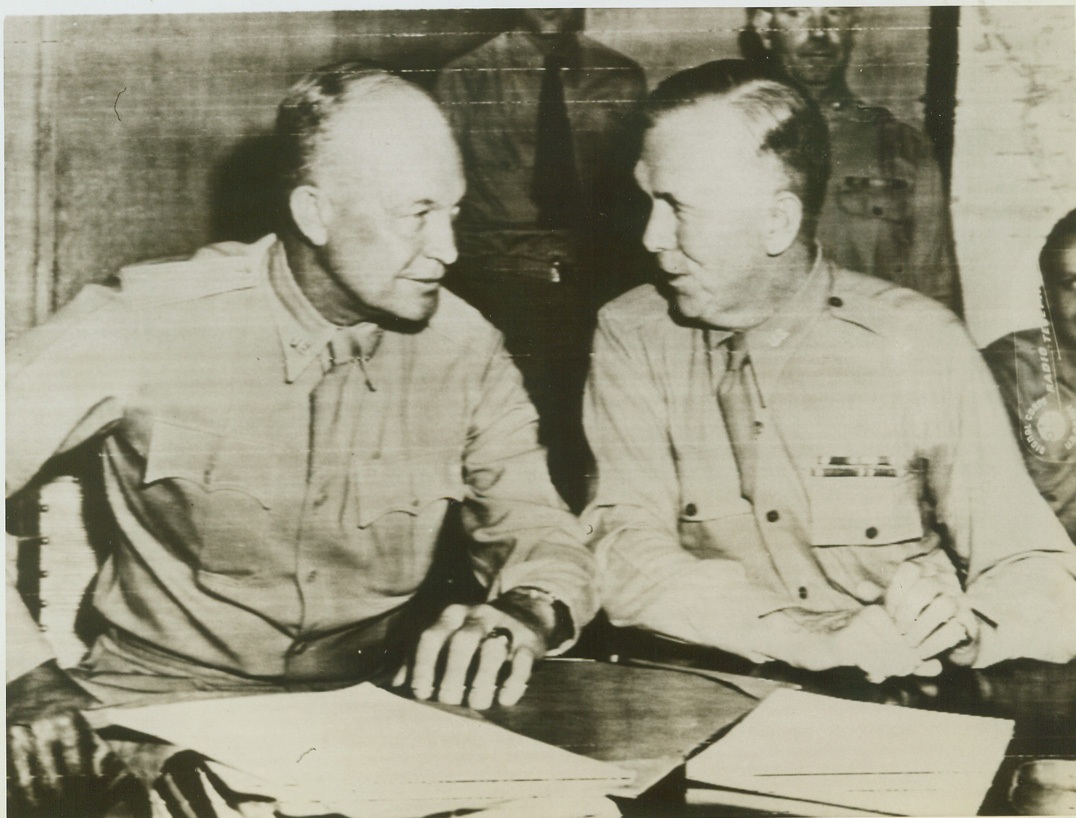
(541, 611)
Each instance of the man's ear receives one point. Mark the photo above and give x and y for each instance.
(311, 211)
(760, 20)
(785, 218)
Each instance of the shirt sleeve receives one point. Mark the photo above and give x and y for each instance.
(1017, 562)
(646, 578)
(65, 383)
(522, 533)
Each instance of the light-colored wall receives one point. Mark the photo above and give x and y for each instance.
(1014, 169)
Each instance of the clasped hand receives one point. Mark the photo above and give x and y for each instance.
(924, 616)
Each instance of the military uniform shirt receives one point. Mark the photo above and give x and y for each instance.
(233, 550)
(881, 440)
(491, 96)
(886, 211)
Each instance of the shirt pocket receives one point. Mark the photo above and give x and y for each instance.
(224, 486)
(709, 522)
(885, 198)
(419, 487)
(863, 510)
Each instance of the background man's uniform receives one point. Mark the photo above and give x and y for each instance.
(278, 484)
(886, 211)
(880, 440)
(545, 229)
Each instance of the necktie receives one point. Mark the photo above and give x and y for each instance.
(734, 398)
(555, 187)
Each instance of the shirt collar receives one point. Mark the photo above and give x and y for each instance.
(304, 333)
(768, 343)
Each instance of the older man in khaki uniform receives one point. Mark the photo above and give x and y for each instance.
(797, 462)
(282, 427)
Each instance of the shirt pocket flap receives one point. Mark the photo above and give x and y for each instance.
(408, 485)
(177, 451)
(863, 511)
(213, 461)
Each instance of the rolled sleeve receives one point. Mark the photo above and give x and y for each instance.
(522, 532)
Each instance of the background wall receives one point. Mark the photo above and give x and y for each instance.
(136, 137)
(1014, 160)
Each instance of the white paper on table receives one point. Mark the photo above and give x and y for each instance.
(363, 751)
(889, 759)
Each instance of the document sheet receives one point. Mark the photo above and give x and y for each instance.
(887, 759)
(365, 752)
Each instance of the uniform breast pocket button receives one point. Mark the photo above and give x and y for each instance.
(773, 516)
(871, 533)
(803, 592)
(691, 510)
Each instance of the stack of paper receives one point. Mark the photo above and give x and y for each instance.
(364, 752)
(857, 756)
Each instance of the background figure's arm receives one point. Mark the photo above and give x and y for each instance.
(1017, 563)
(933, 255)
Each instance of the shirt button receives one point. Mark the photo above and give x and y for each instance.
(871, 533)
(320, 500)
(836, 301)
(298, 648)
(803, 592)
(773, 516)
(311, 575)
(690, 510)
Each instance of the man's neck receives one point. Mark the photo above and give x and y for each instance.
(564, 43)
(834, 91)
(318, 285)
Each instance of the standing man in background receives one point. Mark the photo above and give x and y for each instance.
(886, 211)
(545, 229)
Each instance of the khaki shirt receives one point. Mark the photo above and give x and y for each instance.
(886, 211)
(882, 441)
(233, 549)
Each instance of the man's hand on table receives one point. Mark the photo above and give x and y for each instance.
(53, 756)
(932, 612)
(478, 653)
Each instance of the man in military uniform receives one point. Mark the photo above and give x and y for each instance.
(546, 231)
(1036, 371)
(797, 462)
(282, 427)
(886, 211)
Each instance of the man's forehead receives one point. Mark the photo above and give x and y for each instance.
(400, 130)
(710, 127)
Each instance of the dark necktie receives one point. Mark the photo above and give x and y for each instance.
(555, 187)
(734, 398)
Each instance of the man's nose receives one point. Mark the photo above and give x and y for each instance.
(660, 233)
(441, 239)
(816, 26)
